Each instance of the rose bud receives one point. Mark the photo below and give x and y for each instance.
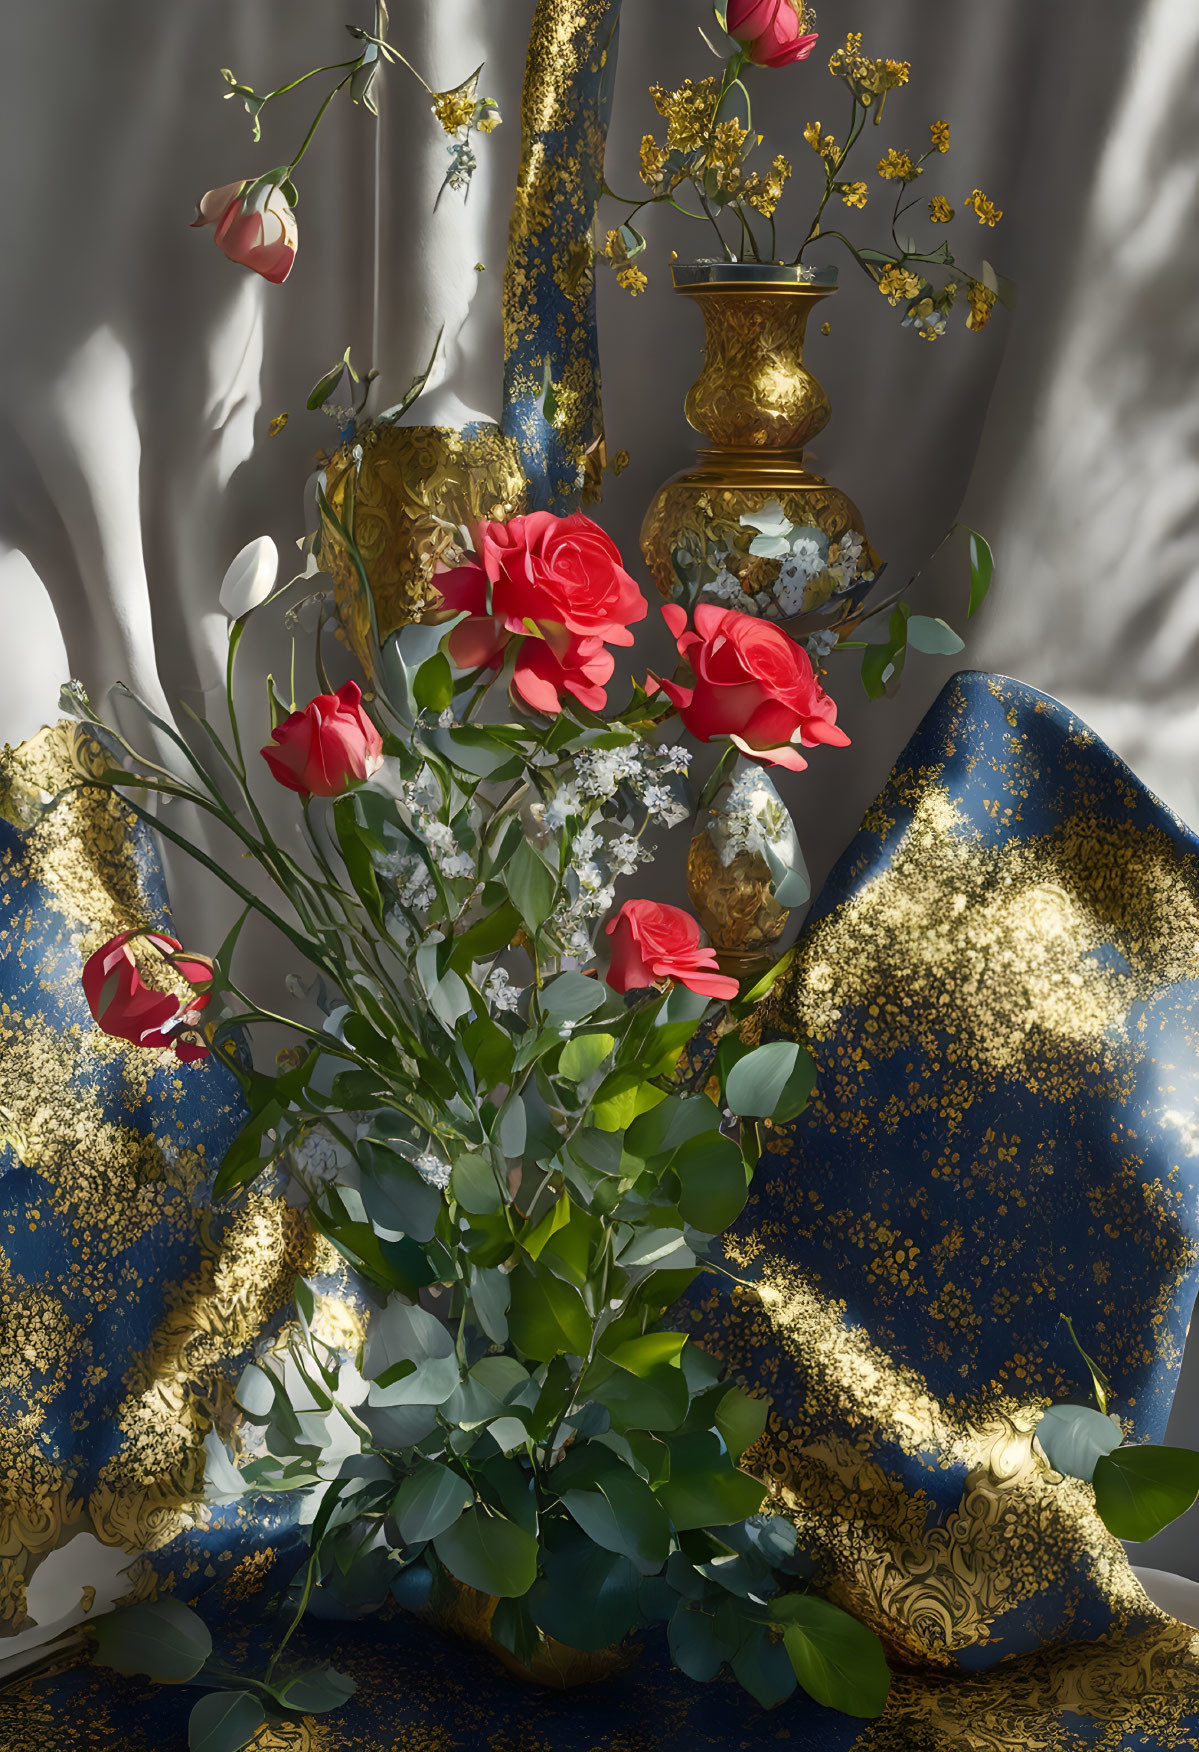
(652, 942)
(256, 229)
(326, 748)
(126, 1008)
(752, 684)
(770, 31)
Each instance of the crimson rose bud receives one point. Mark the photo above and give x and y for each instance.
(769, 30)
(327, 747)
(752, 684)
(127, 1009)
(257, 230)
(652, 943)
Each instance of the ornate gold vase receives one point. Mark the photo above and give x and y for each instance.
(402, 492)
(465, 1612)
(759, 405)
(743, 904)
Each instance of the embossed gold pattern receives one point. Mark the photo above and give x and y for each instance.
(101, 1173)
(759, 403)
(734, 902)
(997, 993)
(549, 291)
(403, 492)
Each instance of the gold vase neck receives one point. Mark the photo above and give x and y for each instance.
(755, 392)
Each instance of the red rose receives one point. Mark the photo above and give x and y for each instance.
(327, 747)
(753, 684)
(651, 943)
(126, 1008)
(555, 583)
(559, 572)
(258, 231)
(769, 30)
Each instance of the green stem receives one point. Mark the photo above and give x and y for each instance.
(317, 120)
(832, 174)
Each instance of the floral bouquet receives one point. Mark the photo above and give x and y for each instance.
(497, 1121)
(707, 157)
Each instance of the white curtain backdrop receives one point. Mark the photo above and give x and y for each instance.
(142, 370)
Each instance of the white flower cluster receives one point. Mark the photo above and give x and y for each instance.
(804, 555)
(430, 1166)
(753, 817)
(500, 992)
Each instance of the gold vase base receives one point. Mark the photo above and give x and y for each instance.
(465, 1612)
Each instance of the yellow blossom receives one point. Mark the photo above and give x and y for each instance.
(764, 192)
(855, 194)
(826, 328)
(277, 424)
(820, 142)
(898, 167)
(614, 247)
(939, 210)
(454, 109)
(631, 279)
(724, 150)
(867, 79)
(653, 161)
(982, 303)
(940, 134)
(988, 212)
(896, 283)
(689, 112)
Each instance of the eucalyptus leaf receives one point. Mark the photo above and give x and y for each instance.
(934, 637)
(837, 1660)
(488, 1552)
(429, 1501)
(224, 1721)
(1074, 1437)
(1140, 1490)
(163, 1639)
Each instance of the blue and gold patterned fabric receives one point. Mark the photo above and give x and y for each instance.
(998, 985)
(551, 353)
(127, 1305)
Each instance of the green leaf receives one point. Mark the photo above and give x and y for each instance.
(772, 1082)
(583, 1055)
(982, 569)
(882, 664)
(474, 1185)
(485, 939)
(837, 1660)
(356, 857)
(324, 386)
(1138, 1491)
(711, 1173)
(489, 1553)
(429, 1501)
(1074, 1437)
(532, 885)
(763, 1665)
(163, 1639)
(741, 1420)
(936, 638)
(620, 1098)
(395, 1194)
(433, 688)
(317, 1691)
(750, 999)
(569, 997)
(490, 1292)
(642, 1356)
(622, 1514)
(698, 1646)
(547, 1317)
(224, 1721)
(654, 1400)
(703, 1489)
(587, 1596)
(405, 1334)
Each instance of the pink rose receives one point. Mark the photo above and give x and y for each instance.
(752, 684)
(127, 1009)
(769, 30)
(258, 230)
(559, 572)
(652, 943)
(327, 747)
(545, 668)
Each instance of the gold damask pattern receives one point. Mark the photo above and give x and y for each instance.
(125, 1304)
(404, 493)
(755, 392)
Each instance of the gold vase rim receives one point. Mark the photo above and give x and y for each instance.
(713, 276)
